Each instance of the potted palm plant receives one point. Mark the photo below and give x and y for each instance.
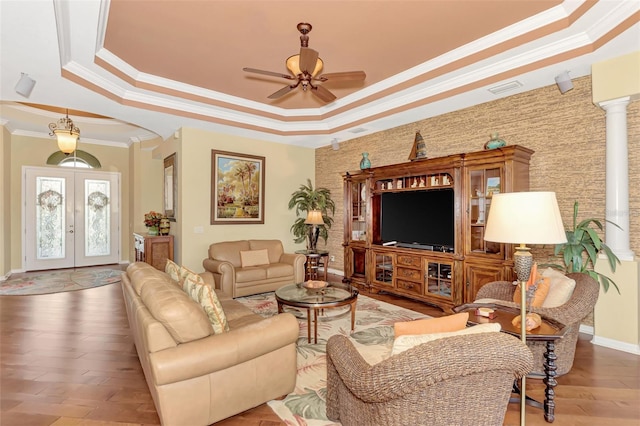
(580, 252)
(307, 199)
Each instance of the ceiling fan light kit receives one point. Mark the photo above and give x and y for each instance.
(293, 65)
(305, 68)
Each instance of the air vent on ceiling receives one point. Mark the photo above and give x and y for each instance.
(358, 130)
(506, 87)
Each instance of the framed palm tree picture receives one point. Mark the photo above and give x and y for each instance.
(237, 188)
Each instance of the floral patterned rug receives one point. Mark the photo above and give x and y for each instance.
(55, 282)
(373, 336)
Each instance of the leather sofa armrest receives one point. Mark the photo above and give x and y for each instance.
(224, 275)
(220, 351)
(298, 261)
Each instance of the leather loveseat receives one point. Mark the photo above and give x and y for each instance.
(197, 377)
(245, 267)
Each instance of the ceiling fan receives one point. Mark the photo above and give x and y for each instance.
(305, 67)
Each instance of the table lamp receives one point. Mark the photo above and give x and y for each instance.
(314, 218)
(524, 218)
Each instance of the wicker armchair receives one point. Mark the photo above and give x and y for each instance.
(459, 380)
(577, 308)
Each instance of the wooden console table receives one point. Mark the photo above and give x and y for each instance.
(549, 331)
(153, 249)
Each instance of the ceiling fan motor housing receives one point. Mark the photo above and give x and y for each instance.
(304, 28)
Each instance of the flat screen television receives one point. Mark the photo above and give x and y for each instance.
(418, 219)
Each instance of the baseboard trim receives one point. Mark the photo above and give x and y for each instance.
(616, 344)
(335, 271)
(586, 329)
(609, 343)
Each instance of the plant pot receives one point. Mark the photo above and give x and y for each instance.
(152, 230)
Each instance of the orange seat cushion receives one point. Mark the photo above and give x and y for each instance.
(453, 322)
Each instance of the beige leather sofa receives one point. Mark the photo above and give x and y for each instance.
(225, 268)
(197, 377)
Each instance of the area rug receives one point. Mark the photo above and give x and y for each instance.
(373, 337)
(55, 282)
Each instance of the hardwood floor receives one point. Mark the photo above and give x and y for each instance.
(68, 359)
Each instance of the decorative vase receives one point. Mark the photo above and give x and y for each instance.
(421, 147)
(152, 230)
(365, 163)
(165, 226)
(495, 142)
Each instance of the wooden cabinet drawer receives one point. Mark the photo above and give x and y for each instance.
(410, 274)
(407, 260)
(409, 286)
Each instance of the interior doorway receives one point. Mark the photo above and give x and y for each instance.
(71, 218)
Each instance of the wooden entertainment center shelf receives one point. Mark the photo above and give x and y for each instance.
(454, 192)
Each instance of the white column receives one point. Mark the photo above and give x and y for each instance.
(617, 178)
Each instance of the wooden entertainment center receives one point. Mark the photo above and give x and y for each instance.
(440, 274)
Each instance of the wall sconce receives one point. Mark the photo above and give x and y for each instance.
(334, 144)
(25, 85)
(564, 82)
(66, 133)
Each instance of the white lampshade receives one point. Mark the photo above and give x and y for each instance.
(525, 218)
(314, 217)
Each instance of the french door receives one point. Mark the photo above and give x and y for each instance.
(71, 218)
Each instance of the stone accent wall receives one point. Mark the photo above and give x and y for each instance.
(567, 133)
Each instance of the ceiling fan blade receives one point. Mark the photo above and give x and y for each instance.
(271, 73)
(282, 92)
(323, 93)
(308, 59)
(342, 76)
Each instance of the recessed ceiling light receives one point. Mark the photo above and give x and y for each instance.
(358, 130)
(506, 87)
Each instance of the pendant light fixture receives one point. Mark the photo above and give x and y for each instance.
(66, 133)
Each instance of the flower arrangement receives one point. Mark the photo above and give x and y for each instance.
(152, 219)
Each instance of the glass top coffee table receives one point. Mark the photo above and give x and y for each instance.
(315, 296)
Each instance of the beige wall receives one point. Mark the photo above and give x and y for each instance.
(286, 168)
(616, 78)
(566, 131)
(145, 189)
(5, 218)
(30, 151)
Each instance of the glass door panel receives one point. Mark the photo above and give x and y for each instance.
(439, 279)
(483, 183)
(358, 211)
(97, 216)
(384, 268)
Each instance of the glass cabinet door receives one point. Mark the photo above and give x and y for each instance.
(483, 184)
(359, 211)
(439, 279)
(383, 268)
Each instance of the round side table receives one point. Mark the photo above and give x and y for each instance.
(315, 260)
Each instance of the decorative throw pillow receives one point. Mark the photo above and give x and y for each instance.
(196, 288)
(541, 291)
(173, 270)
(560, 288)
(254, 258)
(408, 341)
(453, 322)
